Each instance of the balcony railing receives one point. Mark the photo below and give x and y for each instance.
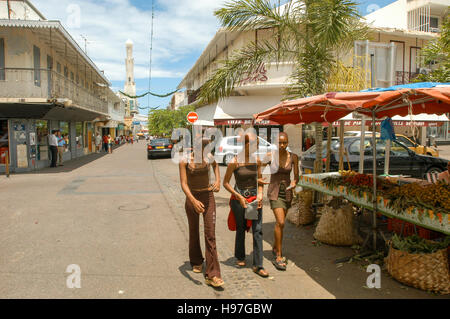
(404, 77)
(23, 83)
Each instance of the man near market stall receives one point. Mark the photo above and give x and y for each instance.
(445, 176)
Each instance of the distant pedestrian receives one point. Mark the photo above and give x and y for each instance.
(105, 143)
(61, 147)
(98, 142)
(53, 143)
(110, 144)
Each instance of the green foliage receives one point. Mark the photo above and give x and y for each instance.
(162, 122)
(417, 245)
(437, 52)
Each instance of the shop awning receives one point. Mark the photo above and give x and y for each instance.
(46, 111)
(243, 107)
(423, 120)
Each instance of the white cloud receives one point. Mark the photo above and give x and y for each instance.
(182, 29)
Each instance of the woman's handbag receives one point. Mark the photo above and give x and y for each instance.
(251, 212)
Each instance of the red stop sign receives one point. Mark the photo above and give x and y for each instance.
(192, 117)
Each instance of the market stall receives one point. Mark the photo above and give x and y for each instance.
(433, 218)
(330, 107)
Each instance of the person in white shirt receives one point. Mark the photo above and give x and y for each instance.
(53, 143)
(98, 142)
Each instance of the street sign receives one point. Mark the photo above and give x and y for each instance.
(192, 117)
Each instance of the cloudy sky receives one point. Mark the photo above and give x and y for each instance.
(182, 29)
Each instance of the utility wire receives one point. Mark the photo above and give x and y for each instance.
(151, 53)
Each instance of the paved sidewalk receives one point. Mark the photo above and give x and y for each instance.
(121, 218)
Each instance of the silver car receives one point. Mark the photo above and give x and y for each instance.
(230, 146)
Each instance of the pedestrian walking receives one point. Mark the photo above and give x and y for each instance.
(110, 143)
(61, 147)
(105, 143)
(280, 194)
(195, 182)
(98, 142)
(53, 143)
(246, 191)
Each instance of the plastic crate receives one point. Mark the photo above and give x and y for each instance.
(395, 225)
(428, 234)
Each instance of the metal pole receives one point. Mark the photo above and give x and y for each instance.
(372, 71)
(9, 10)
(341, 145)
(7, 163)
(361, 146)
(374, 194)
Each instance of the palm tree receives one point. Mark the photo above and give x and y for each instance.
(311, 34)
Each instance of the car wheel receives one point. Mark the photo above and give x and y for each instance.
(227, 159)
(149, 157)
(429, 154)
(434, 170)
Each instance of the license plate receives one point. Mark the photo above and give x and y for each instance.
(160, 147)
(308, 171)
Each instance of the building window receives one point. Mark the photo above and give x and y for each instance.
(64, 128)
(71, 76)
(37, 65)
(42, 140)
(2, 59)
(66, 72)
(58, 67)
(79, 134)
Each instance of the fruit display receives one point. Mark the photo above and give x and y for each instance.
(434, 196)
(400, 198)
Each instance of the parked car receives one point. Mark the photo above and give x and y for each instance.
(416, 147)
(230, 146)
(159, 147)
(403, 161)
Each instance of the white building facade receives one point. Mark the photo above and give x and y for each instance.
(47, 82)
(395, 49)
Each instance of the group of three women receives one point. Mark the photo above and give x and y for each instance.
(247, 171)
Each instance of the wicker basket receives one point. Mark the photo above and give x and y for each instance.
(429, 272)
(336, 226)
(301, 213)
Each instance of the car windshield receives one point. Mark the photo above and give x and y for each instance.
(160, 141)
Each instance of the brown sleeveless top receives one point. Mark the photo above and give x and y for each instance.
(198, 178)
(246, 176)
(282, 176)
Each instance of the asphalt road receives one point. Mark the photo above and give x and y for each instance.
(121, 219)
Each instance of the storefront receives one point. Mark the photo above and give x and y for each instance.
(27, 142)
(4, 143)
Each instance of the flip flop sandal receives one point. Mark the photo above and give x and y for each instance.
(241, 264)
(197, 269)
(279, 264)
(261, 272)
(214, 282)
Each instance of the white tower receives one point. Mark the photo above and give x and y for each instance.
(130, 85)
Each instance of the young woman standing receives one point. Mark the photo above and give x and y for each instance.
(246, 189)
(280, 194)
(200, 200)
